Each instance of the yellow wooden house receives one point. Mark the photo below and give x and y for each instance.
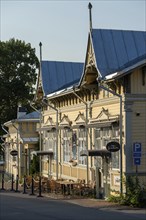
(94, 114)
(21, 139)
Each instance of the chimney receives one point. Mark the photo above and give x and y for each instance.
(21, 111)
(90, 16)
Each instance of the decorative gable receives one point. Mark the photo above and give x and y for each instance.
(39, 91)
(104, 116)
(80, 120)
(90, 71)
(65, 121)
(50, 122)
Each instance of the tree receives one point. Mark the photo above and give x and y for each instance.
(18, 73)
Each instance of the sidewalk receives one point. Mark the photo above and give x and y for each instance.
(99, 204)
(84, 202)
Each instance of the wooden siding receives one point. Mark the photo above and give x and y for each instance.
(137, 86)
(139, 129)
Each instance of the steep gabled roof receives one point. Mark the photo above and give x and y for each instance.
(58, 75)
(116, 50)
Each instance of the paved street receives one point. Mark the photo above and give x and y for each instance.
(14, 206)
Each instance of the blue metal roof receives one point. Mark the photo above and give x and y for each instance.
(32, 115)
(116, 50)
(58, 75)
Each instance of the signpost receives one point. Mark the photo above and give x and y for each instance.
(137, 154)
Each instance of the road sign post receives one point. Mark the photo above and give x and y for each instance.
(137, 155)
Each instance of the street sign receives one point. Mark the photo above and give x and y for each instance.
(136, 147)
(137, 154)
(137, 161)
(113, 146)
(14, 153)
(137, 150)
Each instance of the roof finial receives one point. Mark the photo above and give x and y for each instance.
(40, 44)
(90, 16)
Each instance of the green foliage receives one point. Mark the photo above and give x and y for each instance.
(18, 73)
(34, 166)
(116, 199)
(135, 194)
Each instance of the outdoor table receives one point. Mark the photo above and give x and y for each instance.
(66, 186)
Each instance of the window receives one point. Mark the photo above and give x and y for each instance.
(74, 145)
(50, 143)
(82, 146)
(116, 155)
(105, 92)
(103, 136)
(143, 75)
(67, 152)
(127, 83)
(20, 127)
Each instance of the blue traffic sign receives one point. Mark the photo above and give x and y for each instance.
(137, 154)
(136, 147)
(137, 161)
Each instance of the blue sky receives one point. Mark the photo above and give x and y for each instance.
(62, 26)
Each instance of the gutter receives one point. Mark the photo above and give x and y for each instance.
(124, 71)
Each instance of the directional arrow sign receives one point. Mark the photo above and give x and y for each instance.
(137, 161)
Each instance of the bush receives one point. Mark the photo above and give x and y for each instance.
(34, 166)
(135, 195)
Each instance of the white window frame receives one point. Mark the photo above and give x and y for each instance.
(106, 134)
(67, 138)
(50, 142)
(82, 160)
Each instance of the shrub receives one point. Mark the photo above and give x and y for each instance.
(135, 194)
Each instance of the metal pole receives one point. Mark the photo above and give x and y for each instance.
(40, 187)
(3, 188)
(90, 16)
(12, 183)
(32, 186)
(24, 185)
(17, 179)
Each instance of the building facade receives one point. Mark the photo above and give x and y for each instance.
(20, 141)
(105, 103)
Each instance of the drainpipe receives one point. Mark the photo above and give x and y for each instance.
(55, 109)
(4, 129)
(121, 151)
(86, 129)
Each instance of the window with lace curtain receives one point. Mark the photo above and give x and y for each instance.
(50, 142)
(82, 146)
(67, 145)
(103, 136)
